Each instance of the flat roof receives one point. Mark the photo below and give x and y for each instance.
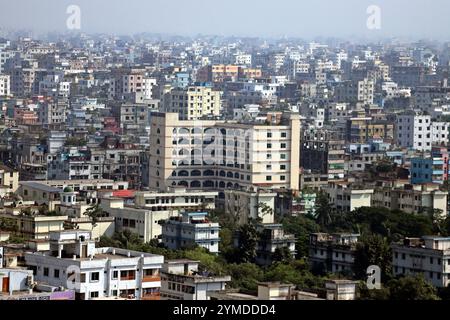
(436, 238)
(180, 261)
(39, 185)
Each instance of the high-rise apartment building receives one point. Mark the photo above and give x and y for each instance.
(219, 154)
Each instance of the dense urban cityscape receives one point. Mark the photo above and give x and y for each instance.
(158, 167)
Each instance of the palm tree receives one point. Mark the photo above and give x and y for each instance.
(323, 211)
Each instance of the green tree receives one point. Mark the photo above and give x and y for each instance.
(265, 210)
(209, 263)
(323, 211)
(364, 293)
(248, 240)
(245, 276)
(282, 254)
(95, 212)
(373, 250)
(412, 288)
(301, 226)
(295, 273)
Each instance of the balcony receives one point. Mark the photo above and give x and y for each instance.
(151, 278)
(151, 296)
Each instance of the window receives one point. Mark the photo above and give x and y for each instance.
(127, 275)
(45, 272)
(94, 294)
(115, 275)
(269, 146)
(283, 156)
(283, 134)
(269, 134)
(268, 178)
(95, 276)
(282, 167)
(283, 146)
(56, 273)
(283, 178)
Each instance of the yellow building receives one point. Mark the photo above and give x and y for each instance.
(9, 180)
(193, 102)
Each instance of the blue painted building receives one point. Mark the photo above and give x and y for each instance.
(182, 80)
(427, 170)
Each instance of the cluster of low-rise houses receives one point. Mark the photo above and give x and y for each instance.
(158, 139)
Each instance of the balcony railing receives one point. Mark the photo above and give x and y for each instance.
(151, 278)
(151, 296)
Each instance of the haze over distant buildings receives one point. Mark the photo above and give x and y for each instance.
(343, 18)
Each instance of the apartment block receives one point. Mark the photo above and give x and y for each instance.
(411, 198)
(217, 154)
(332, 252)
(420, 133)
(182, 280)
(5, 85)
(355, 91)
(428, 256)
(245, 205)
(347, 196)
(191, 228)
(194, 102)
(272, 237)
(74, 261)
(322, 152)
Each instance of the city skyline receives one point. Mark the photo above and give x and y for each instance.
(324, 18)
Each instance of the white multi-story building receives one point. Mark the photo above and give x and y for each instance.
(248, 204)
(418, 132)
(429, 256)
(332, 252)
(439, 133)
(193, 153)
(54, 86)
(300, 67)
(344, 196)
(125, 82)
(248, 112)
(411, 198)
(181, 280)
(340, 56)
(243, 59)
(5, 55)
(149, 84)
(74, 262)
(192, 228)
(272, 237)
(149, 208)
(5, 85)
(52, 113)
(355, 91)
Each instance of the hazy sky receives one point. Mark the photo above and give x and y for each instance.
(302, 18)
